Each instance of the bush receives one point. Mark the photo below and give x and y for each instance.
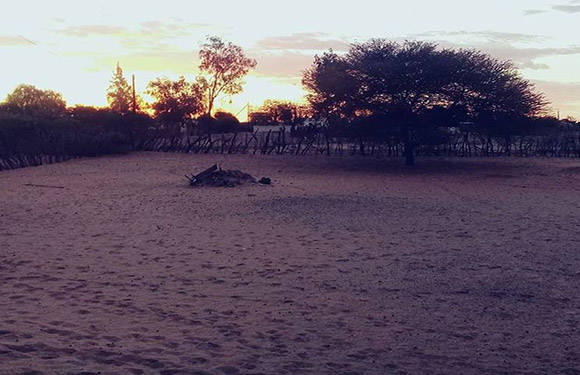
(28, 140)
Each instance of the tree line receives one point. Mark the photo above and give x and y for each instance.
(379, 98)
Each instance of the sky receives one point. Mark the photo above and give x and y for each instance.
(73, 46)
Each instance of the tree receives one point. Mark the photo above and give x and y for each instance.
(260, 118)
(410, 80)
(332, 90)
(226, 122)
(29, 100)
(279, 112)
(120, 94)
(91, 115)
(175, 101)
(223, 67)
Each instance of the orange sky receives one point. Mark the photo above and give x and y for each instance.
(73, 47)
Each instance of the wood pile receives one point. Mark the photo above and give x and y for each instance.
(215, 176)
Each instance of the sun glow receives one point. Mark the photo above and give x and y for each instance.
(258, 89)
(83, 79)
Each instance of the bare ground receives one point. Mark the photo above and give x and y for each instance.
(344, 266)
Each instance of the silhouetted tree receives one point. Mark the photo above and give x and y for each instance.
(91, 116)
(119, 94)
(333, 91)
(226, 122)
(223, 67)
(206, 123)
(279, 111)
(260, 118)
(175, 101)
(29, 100)
(409, 80)
(221, 122)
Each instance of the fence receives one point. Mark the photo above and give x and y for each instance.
(29, 146)
(468, 144)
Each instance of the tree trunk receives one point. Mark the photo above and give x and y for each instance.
(409, 149)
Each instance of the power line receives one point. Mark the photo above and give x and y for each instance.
(36, 44)
(241, 110)
(28, 40)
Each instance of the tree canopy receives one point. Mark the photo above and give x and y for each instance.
(278, 111)
(175, 101)
(119, 94)
(409, 82)
(222, 69)
(29, 100)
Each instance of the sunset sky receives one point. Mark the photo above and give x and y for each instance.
(73, 46)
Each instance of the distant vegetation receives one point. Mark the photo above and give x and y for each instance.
(381, 98)
(280, 112)
(28, 138)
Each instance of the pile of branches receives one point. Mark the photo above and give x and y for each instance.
(215, 176)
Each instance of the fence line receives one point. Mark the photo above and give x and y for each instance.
(50, 148)
(565, 144)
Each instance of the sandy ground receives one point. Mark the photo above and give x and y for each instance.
(344, 266)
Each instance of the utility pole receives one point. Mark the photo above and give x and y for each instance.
(247, 108)
(134, 95)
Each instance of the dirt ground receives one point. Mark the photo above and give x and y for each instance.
(344, 266)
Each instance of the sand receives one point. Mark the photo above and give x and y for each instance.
(115, 265)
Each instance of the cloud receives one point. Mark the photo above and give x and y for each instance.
(144, 37)
(565, 97)
(9, 40)
(524, 57)
(164, 46)
(564, 91)
(182, 62)
(146, 30)
(284, 64)
(303, 42)
(503, 46)
(159, 58)
(567, 8)
(491, 36)
(570, 8)
(287, 56)
(174, 28)
(531, 12)
(532, 65)
(92, 30)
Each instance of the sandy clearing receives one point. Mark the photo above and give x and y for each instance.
(345, 266)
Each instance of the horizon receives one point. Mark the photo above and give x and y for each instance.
(80, 45)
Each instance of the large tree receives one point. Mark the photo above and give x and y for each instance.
(175, 101)
(222, 69)
(27, 99)
(410, 82)
(120, 94)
